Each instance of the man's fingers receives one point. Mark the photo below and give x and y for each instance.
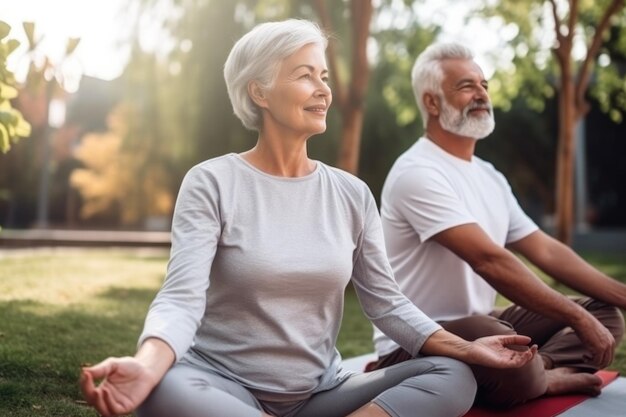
(602, 356)
(534, 349)
(513, 339)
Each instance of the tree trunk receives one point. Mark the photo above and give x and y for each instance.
(354, 107)
(565, 159)
(572, 107)
(351, 101)
(351, 128)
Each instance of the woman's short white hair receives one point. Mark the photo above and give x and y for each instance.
(427, 74)
(257, 57)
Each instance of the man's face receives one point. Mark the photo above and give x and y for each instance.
(465, 106)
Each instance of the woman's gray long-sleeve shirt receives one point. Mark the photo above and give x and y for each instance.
(257, 273)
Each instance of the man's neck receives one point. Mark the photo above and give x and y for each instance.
(459, 146)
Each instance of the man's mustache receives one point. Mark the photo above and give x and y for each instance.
(477, 105)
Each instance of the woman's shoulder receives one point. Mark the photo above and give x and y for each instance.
(212, 171)
(341, 175)
(216, 163)
(345, 181)
(214, 166)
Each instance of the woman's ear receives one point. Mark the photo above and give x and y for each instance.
(256, 93)
(431, 103)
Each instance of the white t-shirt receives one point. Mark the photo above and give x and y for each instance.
(428, 191)
(258, 270)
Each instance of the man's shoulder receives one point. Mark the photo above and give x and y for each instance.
(418, 157)
(417, 165)
(490, 169)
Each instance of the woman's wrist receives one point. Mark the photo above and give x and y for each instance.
(156, 356)
(444, 343)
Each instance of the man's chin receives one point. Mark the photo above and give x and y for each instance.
(476, 133)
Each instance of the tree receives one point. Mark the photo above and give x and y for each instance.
(580, 25)
(13, 127)
(392, 120)
(200, 80)
(12, 123)
(117, 183)
(572, 102)
(350, 98)
(179, 93)
(29, 164)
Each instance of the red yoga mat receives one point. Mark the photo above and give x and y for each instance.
(544, 406)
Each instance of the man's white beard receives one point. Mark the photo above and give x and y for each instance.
(458, 122)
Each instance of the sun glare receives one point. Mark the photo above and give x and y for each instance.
(101, 26)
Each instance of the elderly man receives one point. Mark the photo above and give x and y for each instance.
(451, 223)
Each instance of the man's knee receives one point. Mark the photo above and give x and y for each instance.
(615, 324)
(610, 316)
(474, 327)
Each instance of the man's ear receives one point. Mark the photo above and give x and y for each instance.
(256, 93)
(432, 104)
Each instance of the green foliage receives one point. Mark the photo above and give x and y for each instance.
(392, 120)
(610, 92)
(533, 74)
(12, 125)
(183, 112)
(117, 180)
(522, 147)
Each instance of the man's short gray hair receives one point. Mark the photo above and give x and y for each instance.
(257, 57)
(427, 74)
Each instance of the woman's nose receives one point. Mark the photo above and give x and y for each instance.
(323, 88)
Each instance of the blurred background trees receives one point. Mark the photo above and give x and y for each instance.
(12, 124)
(13, 127)
(118, 158)
(582, 35)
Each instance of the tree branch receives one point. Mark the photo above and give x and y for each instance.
(584, 73)
(573, 19)
(557, 21)
(560, 38)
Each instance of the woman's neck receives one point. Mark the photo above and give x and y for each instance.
(282, 158)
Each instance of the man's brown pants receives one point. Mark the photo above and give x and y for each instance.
(559, 346)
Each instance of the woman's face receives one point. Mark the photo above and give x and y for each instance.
(300, 97)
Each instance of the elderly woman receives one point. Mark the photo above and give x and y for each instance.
(264, 244)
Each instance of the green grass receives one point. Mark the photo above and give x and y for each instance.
(59, 309)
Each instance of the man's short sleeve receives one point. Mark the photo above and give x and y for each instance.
(427, 200)
(520, 225)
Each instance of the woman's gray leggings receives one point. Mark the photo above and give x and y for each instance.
(430, 386)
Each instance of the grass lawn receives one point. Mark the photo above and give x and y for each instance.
(61, 308)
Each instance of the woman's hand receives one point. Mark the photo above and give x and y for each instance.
(510, 351)
(125, 384)
(502, 351)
